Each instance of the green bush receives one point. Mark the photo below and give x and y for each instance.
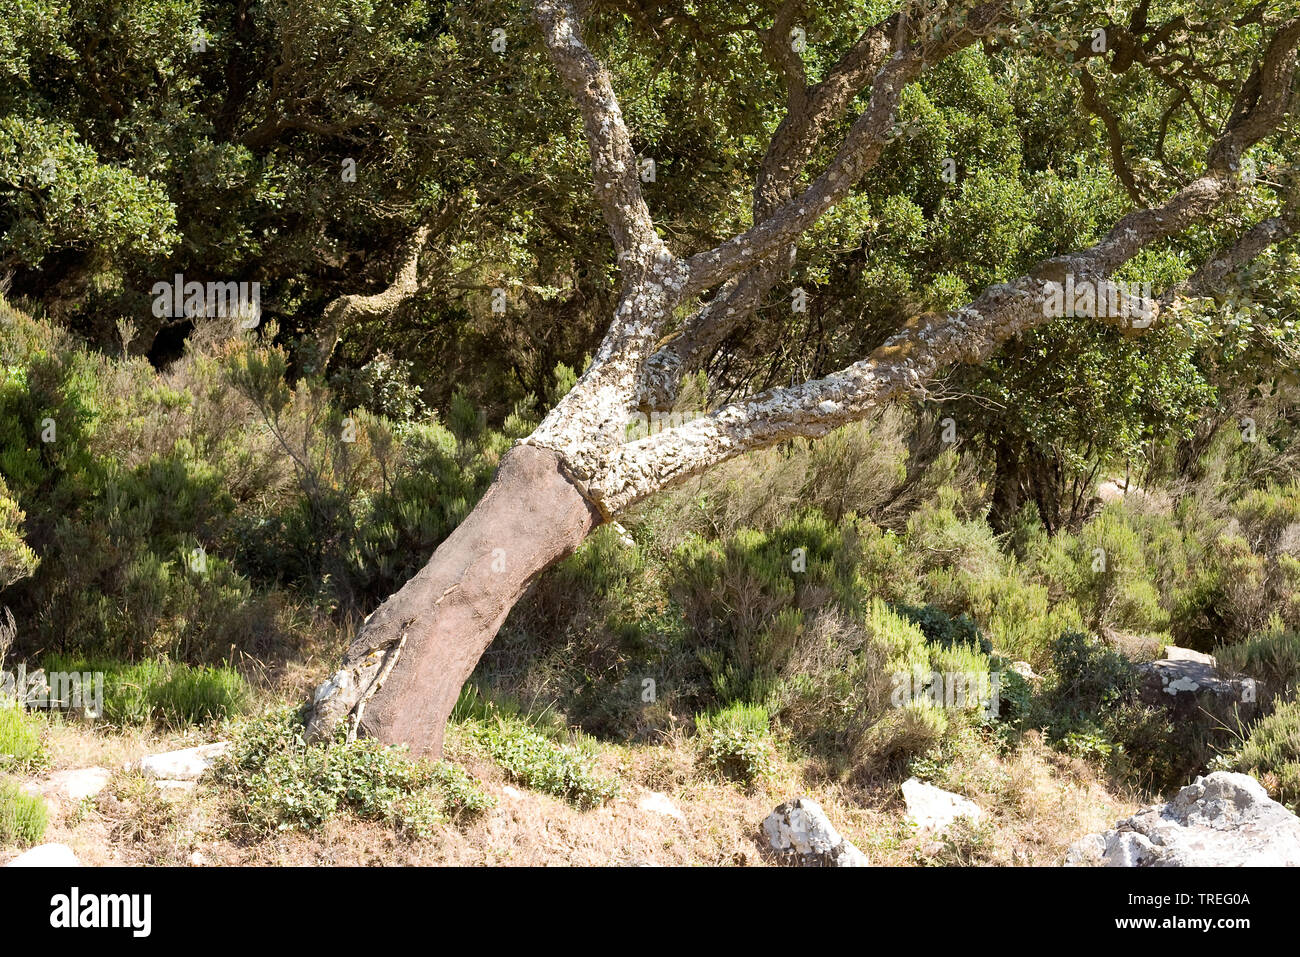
(20, 739)
(23, 817)
(1271, 657)
(536, 761)
(943, 629)
(17, 560)
(735, 742)
(282, 783)
(850, 693)
(1272, 753)
(1103, 569)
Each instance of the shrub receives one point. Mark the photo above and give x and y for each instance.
(1271, 657)
(532, 759)
(840, 694)
(17, 560)
(22, 816)
(943, 629)
(734, 742)
(1272, 753)
(1103, 570)
(282, 783)
(20, 741)
(1088, 676)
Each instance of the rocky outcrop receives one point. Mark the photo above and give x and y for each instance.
(1189, 684)
(1221, 820)
(799, 834)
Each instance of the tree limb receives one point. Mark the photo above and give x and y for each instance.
(346, 311)
(614, 166)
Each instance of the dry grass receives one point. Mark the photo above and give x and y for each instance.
(1037, 803)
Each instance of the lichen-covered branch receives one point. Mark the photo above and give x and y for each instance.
(346, 311)
(615, 177)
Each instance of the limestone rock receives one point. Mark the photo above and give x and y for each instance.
(1189, 683)
(76, 784)
(801, 834)
(186, 765)
(1221, 820)
(933, 809)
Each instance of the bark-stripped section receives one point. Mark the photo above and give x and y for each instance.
(408, 663)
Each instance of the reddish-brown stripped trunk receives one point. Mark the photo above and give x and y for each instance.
(413, 655)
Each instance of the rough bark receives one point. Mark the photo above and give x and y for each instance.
(401, 676)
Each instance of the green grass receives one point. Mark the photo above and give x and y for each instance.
(20, 740)
(169, 693)
(22, 816)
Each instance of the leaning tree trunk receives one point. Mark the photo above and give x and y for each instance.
(442, 620)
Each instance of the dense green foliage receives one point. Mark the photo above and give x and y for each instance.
(285, 784)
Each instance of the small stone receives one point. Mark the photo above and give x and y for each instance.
(46, 855)
(186, 765)
(658, 803)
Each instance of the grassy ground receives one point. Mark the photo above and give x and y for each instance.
(1037, 800)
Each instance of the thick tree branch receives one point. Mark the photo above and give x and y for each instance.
(800, 132)
(615, 176)
(928, 343)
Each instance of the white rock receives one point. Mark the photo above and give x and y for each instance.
(933, 809)
(77, 784)
(1221, 820)
(658, 803)
(1025, 670)
(801, 834)
(1175, 653)
(512, 792)
(46, 855)
(186, 765)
